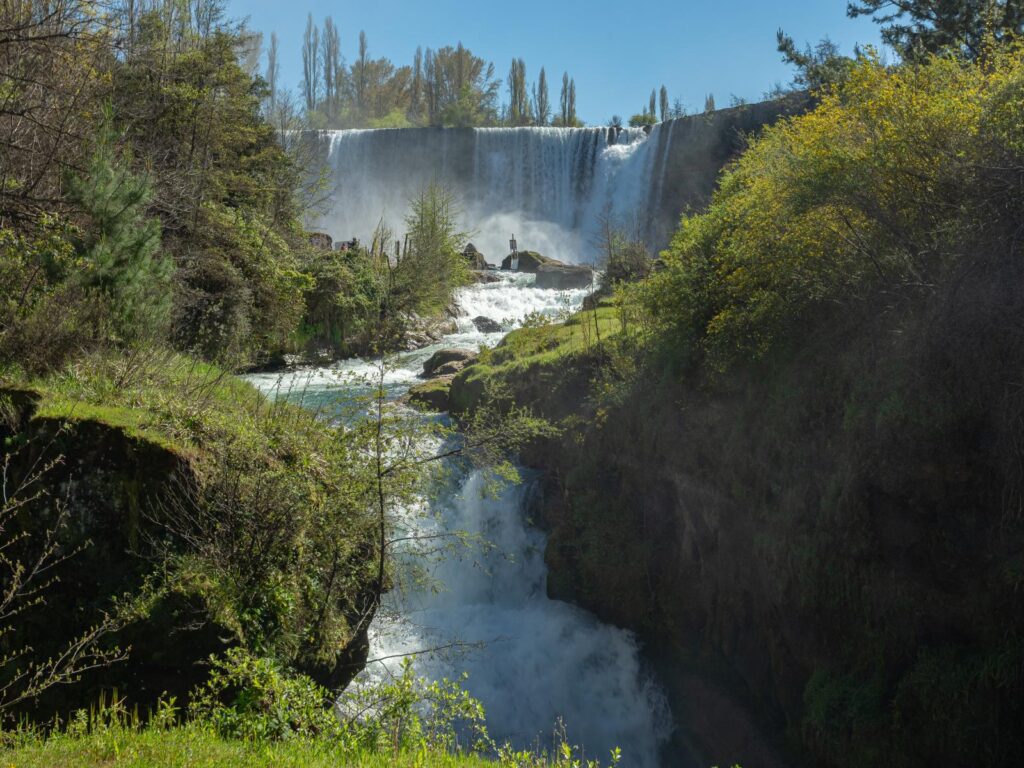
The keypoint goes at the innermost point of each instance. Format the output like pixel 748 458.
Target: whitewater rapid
pixel 550 187
pixel 540 662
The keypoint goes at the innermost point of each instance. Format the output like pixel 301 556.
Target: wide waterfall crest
pixel 548 186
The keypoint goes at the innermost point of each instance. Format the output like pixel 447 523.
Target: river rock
pixel 424 331
pixel 528 261
pixel 485 277
pixel 564 277
pixel 475 258
pixel 486 325
pixel 442 357
pixel 449 369
pixel 431 395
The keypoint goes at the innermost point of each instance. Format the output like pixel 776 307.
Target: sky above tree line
pixel 616 51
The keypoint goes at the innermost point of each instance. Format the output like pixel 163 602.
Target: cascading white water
pixel 548 186
pixel 543 661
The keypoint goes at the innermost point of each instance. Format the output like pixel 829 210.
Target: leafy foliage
pixel 881 188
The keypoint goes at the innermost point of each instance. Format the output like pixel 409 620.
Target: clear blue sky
pixel 617 51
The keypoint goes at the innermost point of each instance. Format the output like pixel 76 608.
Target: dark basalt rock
pixel 442 357
pixel 564 276
pixel 528 261
pixel 486 325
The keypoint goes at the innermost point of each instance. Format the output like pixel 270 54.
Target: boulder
pixel 445 356
pixel 564 277
pixel 449 369
pixel 424 331
pixel 486 325
pixel 485 277
pixel 528 261
pixel 431 395
pixel 474 257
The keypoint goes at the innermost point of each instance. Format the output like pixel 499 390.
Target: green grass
pixel 526 347
pixel 193 747
pixel 535 354
pixel 168 399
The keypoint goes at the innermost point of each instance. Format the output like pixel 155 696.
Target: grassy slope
pixel 196 748
pixel 529 359
pixel 169 399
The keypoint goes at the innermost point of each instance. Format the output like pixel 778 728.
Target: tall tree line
pixel 448 86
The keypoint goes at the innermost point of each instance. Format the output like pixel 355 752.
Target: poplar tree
pixel 652 109
pixel 563 101
pixel 273 73
pixel 311 64
pixel 709 103
pixel 542 102
pixel 572 102
pixel 416 89
pixel 333 71
pixel 518 100
pixel 664 103
pixel 359 74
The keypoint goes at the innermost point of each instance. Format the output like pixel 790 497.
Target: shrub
pixel 876 196
pixel 252 698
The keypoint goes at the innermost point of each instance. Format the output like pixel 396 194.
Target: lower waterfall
pixel 541 662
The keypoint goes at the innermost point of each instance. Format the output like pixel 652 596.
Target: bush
pixel 255 699
pixel 43 318
pixel 876 196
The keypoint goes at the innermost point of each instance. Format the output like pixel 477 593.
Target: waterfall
pixel 541 661
pixel 548 186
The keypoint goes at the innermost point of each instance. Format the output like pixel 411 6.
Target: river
pixel 533 662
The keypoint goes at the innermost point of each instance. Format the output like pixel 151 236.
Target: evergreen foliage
pixel 917 28
pixel 120 251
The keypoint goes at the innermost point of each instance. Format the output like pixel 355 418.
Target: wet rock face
pixel 564 277
pixel 451 360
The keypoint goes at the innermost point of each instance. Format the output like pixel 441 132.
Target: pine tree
pixel 918 27
pixel 123 268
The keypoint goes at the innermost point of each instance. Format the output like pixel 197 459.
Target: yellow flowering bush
pixel 876 193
